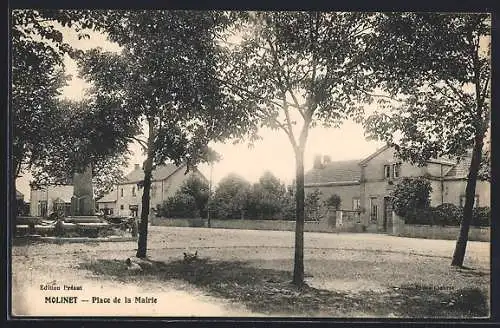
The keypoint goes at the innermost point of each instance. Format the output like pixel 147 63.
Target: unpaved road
pixel 345 262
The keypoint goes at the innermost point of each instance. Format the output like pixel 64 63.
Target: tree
pixel 298 70
pixel 197 188
pixel 230 199
pixel 165 79
pixel 267 197
pixel 439 66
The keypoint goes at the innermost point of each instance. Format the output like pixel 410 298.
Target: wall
pixel 456 188
pixel 49 194
pixel 280 225
pixel 437 232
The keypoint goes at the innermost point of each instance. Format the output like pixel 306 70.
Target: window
pixel 133 192
pixel 356 203
pixel 121 192
pixel 462 201
pixel 373 209
pixel 396 170
pixel 387 171
pixel 121 207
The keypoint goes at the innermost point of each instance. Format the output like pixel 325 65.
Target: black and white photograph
pixel 255 164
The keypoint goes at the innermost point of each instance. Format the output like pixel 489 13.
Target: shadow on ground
pixel 269 291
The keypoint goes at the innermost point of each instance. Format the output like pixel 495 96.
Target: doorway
pixel 387 213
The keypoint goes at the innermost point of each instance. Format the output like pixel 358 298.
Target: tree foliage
pixel 197 188
pixel 38 49
pixel 267 198
pixel 230 200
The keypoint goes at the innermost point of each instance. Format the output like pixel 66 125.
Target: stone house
pixel 366 184
pixel 51 198
pixel 126 197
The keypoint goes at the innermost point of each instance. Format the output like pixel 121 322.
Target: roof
pixel 378 151
pixel 160 173
pixel 340 171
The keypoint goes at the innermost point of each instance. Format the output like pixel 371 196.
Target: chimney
pixel 137 167
pixel 317 162
pixel 327 159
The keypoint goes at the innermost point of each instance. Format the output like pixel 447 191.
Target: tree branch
pixel 286 83
pixel 251 93
pixel 289 133
pixel 456 92
pixel 141 142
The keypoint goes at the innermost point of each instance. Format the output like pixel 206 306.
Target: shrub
pixel 312 206
pixel 333 201
pixel 448 215
pixel 481 217
pixel 411 195
pixel 424 216
pixel 180 206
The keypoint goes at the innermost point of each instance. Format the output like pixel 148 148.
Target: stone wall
pixel 401 229
pixel 326 225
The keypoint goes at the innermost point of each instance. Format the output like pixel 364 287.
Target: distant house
pixel 51 198
pixel 366 184
pixel 126 197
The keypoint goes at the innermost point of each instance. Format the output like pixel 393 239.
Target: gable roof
pixel 378 151
pixel 339 171
pixel 160 173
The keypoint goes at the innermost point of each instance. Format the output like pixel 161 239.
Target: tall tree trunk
pixel 470 195
pixel 298 268
pixel 142 243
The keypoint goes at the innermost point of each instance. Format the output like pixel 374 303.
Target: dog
pixel 132 266
pixel 188 258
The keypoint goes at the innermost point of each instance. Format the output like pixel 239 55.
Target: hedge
pixel 448 215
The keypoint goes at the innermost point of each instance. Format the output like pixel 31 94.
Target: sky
pixel 273 153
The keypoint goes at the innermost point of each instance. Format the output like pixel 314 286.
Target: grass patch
pixel 269 291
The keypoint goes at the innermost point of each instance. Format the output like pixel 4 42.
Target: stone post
pixel 398 224
pixel 338 221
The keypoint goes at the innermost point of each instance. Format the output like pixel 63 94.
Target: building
pixel 125 198
pixel 51 198
pixel 366 184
